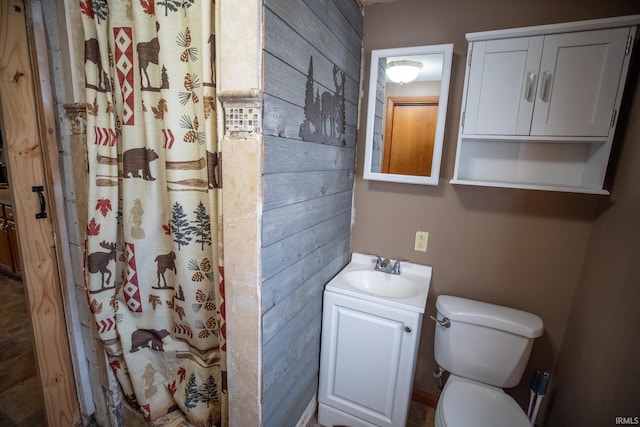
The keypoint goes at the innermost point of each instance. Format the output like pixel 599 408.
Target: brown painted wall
pixel 523 249
pixel 598 370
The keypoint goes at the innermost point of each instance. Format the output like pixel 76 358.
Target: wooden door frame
pixel 388 127
pixel 32 149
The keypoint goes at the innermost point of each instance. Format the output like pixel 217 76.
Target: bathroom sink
pixel 406 290
pixel 382 284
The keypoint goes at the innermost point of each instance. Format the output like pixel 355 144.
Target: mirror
pixel 408 93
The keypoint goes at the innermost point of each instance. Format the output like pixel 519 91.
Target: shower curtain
pixel 153 270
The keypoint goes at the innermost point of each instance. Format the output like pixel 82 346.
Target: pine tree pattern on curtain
pixel 153 269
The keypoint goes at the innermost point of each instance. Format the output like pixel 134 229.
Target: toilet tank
pixel 485 342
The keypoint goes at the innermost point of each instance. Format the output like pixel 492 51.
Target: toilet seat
pixel 466 403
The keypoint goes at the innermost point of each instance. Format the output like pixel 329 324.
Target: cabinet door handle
pixel 531 80
pixel 43 204
pixel 407 329
pixel 546 81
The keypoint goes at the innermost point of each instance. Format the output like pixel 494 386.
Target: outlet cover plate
pixel 420 244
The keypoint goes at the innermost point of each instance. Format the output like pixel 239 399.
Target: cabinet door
pixel 502 86
pixel 367 359
pixel 15 248
pixel 579 77
pixel 6 260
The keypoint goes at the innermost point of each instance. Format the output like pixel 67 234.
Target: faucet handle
pixel 381 264
pixel 378 259
pixel 396 266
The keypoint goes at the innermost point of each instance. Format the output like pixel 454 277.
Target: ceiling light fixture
pixel 403 71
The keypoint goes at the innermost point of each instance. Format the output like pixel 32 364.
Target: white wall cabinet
pixel 541 103
pixel 369 352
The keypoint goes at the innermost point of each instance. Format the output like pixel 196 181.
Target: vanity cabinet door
pixel 578 83
pixel 367 361
pixel 502 86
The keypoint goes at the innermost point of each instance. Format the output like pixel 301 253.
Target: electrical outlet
pixel 422 238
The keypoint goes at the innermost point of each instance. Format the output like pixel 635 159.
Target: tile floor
pixel 420 415
pixel 20 390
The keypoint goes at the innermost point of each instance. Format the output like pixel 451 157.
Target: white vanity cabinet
pixel 540 105
pixel 368 358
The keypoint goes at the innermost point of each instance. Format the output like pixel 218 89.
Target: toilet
pixel 485 348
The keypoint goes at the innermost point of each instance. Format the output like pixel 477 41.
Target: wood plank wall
pixel 308 190
pixel 376 156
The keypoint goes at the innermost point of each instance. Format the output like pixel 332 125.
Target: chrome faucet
pixel 385 266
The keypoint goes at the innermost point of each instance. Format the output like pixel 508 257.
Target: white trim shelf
pixel 538 30
pixel 537 139
pixel 525 186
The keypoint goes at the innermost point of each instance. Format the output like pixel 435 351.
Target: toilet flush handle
pixel 444 322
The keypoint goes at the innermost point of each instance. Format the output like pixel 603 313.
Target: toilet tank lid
pixel 490 315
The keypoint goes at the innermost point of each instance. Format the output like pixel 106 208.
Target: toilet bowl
pixel 470 403
pixel 485 347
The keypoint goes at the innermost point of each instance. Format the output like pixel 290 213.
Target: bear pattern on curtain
pixel 153 254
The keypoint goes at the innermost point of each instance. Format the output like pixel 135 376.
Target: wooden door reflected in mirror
pixel 410 134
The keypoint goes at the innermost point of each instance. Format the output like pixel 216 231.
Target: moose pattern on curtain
pixel 153 270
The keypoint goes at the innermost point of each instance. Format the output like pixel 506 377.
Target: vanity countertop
pixel 407 290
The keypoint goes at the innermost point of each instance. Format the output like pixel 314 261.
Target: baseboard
pixel 428 399
pixel 309 413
